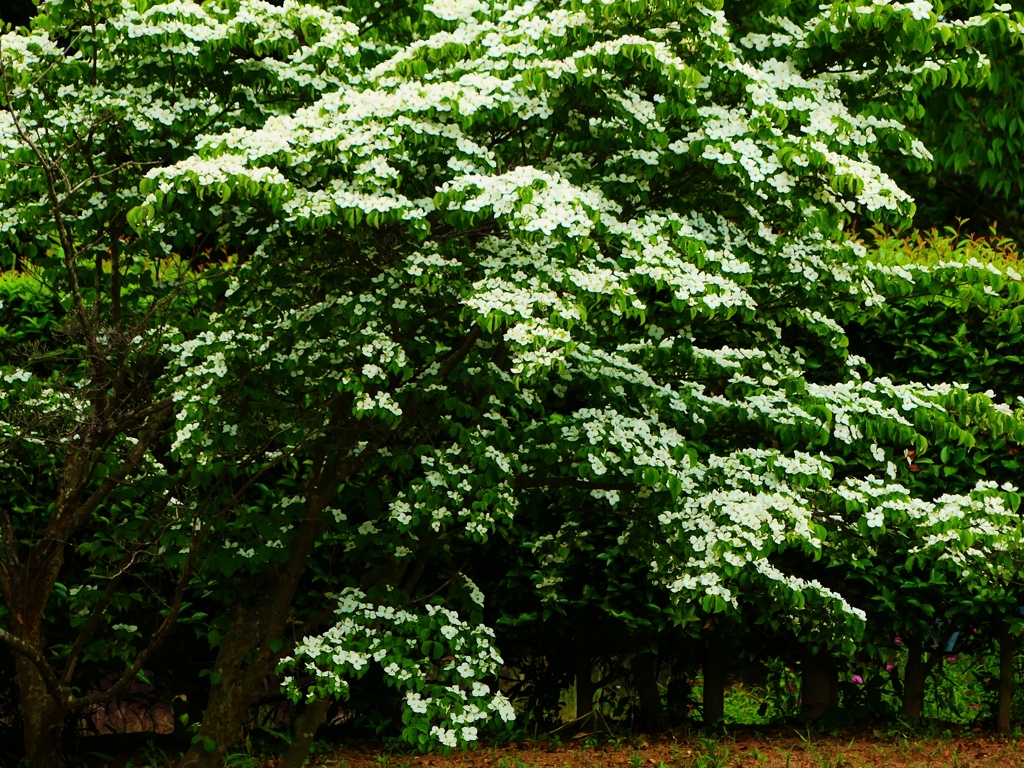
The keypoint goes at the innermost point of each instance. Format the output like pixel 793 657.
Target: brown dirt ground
pixel 752 750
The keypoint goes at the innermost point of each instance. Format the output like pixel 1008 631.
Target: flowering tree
pixel 494 270
pixel 591 333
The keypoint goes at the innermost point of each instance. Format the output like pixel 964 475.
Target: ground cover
pixel 760 748
pixel 783 748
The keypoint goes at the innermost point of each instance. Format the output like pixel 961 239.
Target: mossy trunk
pixel 43 720
pixel 43 716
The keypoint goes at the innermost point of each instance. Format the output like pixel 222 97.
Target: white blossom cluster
pixel 439 661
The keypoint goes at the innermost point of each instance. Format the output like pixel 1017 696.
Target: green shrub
pixel 953 312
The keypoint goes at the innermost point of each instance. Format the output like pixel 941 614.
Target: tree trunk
pixel 304 731
pixel 237 688
pixel 586 690
pixel 646 677
pixel 42 715
pixel 819 686
pixel 677 697
pixel 222 724
pixel 247 656
pixel 43 718
pixel 1005 679
pixel 914 678
pixel 714 682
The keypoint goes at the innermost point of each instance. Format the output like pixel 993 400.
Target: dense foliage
pixel 340 336
pixel 975 133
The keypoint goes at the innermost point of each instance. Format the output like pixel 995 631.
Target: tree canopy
pixel 350 297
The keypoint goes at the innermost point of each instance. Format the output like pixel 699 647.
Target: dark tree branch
pixel 33 654
pixel 524 482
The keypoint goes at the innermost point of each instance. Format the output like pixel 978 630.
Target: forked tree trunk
pixel 915 677
pixel 714 682
pixel 1006 648
pixel 819 686
pixel 645 673
pixel 28 577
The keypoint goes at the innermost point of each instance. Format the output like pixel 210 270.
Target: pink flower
pixel 888 667
pixel 857 679
pixel 951 659
pixel 898 641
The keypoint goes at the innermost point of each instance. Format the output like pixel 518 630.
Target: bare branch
pixel 148 437
pixel 10 539
pixel 100 610
pixel 524 482
pixel 66 241
pixel 157 639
